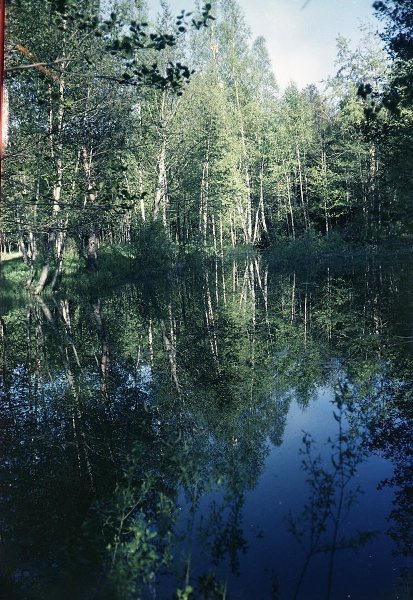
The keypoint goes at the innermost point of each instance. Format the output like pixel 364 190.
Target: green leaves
pixel 176 75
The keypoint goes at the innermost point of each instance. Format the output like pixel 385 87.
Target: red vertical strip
pixel 2 44
pixel 2 113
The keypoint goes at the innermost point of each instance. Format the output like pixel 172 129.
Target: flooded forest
pixel 206 309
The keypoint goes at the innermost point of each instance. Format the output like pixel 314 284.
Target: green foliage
pixel 184 594
pixel 151 247
pixel 397 16
pixel 308 249
pixel 14 271
pixel 172 77
pixel 119 160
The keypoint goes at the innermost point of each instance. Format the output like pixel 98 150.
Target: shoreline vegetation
pixel 205 310
pixel 120 265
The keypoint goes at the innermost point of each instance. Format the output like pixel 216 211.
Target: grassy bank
pixel 153 257
pixel 311 250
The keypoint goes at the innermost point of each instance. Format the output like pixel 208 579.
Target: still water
pixel 230 432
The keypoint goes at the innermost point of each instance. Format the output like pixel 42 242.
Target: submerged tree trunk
pixel 79 431
pixel 3 350
pixel 104 362
pixel 169 342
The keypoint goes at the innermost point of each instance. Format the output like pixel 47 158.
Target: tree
pixel 78 119
pixel 398 36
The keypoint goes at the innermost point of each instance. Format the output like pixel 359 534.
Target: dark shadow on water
pixel 140 421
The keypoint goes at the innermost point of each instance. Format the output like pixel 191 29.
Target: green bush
pixel 151 247
pixel 309 248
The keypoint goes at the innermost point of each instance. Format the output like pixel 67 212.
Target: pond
pixel 233 431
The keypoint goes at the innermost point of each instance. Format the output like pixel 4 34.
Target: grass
pixel 7 256
pixel 13 269
pixel 13 277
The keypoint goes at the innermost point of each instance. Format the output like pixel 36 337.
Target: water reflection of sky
pixel 216 408
pixel 274 557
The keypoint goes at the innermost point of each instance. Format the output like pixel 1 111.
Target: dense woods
pixel 216 403
pixel 174 134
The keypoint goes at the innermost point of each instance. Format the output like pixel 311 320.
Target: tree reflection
pixel 136 421
pixel 319 527
pixel 387 417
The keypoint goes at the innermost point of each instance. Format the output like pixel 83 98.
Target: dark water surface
pixel 225 433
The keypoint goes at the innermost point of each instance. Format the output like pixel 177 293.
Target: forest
pixel 142 140
pixel 206 335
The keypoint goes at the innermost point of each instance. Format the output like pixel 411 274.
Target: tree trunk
pixel 300 178
pixel 248 209
pixel 290 206
pixel 93 237
pixel 56 239
pixel 326 211
pixel 204 199
pixel 161 187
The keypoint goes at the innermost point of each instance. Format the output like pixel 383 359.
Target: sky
pixel 301 37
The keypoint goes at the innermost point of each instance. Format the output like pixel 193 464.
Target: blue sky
pixel 301 42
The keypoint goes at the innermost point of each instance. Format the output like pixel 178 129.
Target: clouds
pixel 292 52
pixel 300 41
